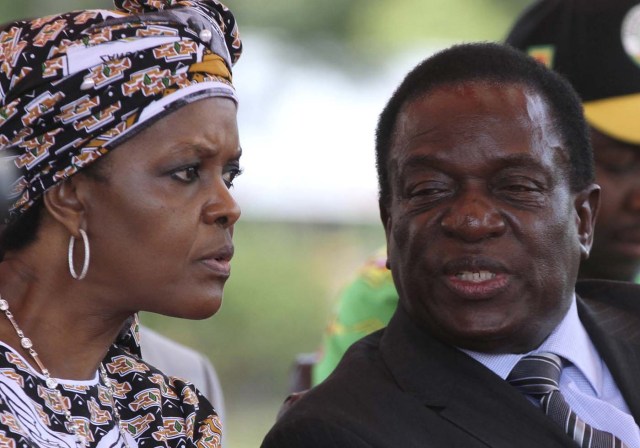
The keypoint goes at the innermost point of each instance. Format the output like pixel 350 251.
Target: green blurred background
pixel 288 269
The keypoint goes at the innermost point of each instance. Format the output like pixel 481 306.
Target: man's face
pixel 484 234
pixel 616 248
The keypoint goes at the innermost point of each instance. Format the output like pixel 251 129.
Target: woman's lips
pixel 220 267
pixel 477 284
pixel 219 261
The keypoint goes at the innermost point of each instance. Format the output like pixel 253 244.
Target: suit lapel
pixel 610 311
pixel 463 391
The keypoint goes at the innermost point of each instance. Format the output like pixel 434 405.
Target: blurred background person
pixel 175 359
pixel 365 305
pixel 595 44
pixel 119 146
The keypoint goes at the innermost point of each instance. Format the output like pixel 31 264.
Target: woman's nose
pixel 222 209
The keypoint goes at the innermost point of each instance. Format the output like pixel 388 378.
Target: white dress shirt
pixel 586 382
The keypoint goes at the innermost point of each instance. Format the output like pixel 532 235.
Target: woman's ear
pixel 587 204
pixel 65 206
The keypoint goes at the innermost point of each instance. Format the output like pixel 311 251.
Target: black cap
pixel 596 45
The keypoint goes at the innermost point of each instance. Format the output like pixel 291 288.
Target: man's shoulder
pixel 363 366
pixel 309 432
pixel 357 381
pixel 353 407
pixel 360 369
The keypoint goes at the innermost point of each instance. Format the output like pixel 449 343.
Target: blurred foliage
pixel 371 28
pixel 276 304
pixel 410 21
pixel 335 30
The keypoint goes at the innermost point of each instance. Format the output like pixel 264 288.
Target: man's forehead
pixel 436 113
pixel 521 134
pixel 483 97
pixel 478 90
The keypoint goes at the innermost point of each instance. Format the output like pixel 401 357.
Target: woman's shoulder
pixel 149 398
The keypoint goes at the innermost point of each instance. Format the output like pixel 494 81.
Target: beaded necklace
pixel 52 383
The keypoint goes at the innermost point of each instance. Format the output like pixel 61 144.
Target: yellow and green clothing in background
pixel 364 306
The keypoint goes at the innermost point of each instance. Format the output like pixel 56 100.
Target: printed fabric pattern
pixel 100 76
pixel 157 411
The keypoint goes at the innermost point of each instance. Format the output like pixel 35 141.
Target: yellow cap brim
pixel 617 117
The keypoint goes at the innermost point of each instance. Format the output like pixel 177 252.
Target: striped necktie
pixel 538 375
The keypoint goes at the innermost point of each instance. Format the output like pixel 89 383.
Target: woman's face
pixel 160 223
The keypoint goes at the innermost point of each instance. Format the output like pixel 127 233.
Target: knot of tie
pixel 537 374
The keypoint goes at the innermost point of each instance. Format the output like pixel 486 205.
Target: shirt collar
pixel 568 340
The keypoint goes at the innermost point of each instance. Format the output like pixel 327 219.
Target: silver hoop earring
pixel 85 263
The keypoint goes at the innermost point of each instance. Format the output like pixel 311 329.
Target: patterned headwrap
pixel 76 85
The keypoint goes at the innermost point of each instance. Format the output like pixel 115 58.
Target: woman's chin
pixel 205 309
pixel 193 309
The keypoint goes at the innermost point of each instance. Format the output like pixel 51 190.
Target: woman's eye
pixel 187 174
pixel 230 176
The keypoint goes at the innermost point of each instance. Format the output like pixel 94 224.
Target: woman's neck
pixel 70 334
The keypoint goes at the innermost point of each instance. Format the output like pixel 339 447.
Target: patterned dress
pixel 155 410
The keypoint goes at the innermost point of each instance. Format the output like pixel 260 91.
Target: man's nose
pixel 473 217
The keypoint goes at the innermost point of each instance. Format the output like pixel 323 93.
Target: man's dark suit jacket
pixel 401 388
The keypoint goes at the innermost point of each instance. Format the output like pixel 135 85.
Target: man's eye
pixel 427 192
pixel 230 176
pixel 428 189
pixel 518 185
pixel 521 188
pixel 428 195
pixel 187 174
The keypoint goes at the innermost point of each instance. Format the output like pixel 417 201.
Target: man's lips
pixel 476 278
pixel 473 264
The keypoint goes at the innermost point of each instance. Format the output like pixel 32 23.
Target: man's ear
pixel 64 205
pixel 385 217
pixel 587 204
